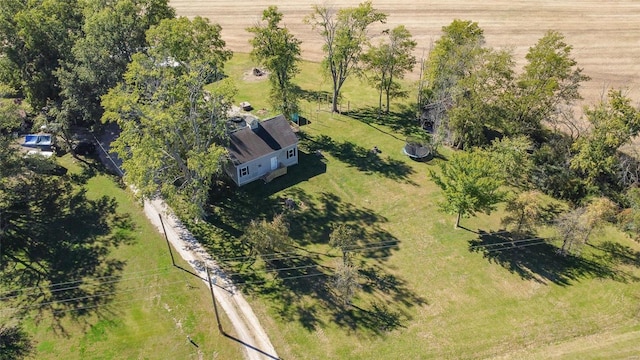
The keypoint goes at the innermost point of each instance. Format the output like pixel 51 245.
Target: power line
pixel 84 280
pixel 131 276
pixel 70 300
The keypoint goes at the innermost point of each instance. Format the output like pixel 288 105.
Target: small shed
pixel 262 150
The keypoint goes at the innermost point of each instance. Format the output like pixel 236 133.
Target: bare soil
pixel 605 35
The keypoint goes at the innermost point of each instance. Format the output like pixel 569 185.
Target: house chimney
pixel 254 124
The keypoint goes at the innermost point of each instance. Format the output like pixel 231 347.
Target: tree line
pixel 521 138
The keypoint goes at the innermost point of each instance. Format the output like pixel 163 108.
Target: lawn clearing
pixel 427 290
pixel 154 306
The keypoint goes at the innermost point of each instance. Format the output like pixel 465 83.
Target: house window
pixel 244 171
pixel 291 153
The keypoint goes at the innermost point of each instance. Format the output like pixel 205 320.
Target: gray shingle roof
pixel 271 135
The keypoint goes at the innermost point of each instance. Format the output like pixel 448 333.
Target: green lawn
pixel 429 291
pixel 152 310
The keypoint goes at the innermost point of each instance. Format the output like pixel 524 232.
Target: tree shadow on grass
pixel 313 96
pixel 56 251
pixel 364 160
pixel 298 281
pixel 617 254
pixel 540 261
pixel 402 121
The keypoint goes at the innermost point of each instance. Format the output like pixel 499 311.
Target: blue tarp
pixel 38 140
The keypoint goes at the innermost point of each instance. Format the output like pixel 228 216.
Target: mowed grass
pixel 154 308
pixel 430 291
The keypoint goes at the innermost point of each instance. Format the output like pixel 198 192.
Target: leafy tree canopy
pixel 173 131
pixel 279 52
pixel 389 61
pixel 614 123
pixel 345 34
pixel 469 184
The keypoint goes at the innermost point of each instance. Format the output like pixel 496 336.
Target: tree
pixel 389 61
pixel 469 183
pixel 575 227
pixel 345 282
pixel 464 81
pixel 629 218
pixel 50 230
pixel 549 83
pixel 173 132
pixel 112 32
pixel 268 237
pixel 614 123
pixel 525 212
pixel 477 99
pixel 345 34
pixel 511 155
pixel 35 37
pixel 279 52
pixel 571 230
pixel 344 238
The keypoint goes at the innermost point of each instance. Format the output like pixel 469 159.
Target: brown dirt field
pixel 605 35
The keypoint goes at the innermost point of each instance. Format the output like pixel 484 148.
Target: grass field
pixel 149 314
pixel 430 291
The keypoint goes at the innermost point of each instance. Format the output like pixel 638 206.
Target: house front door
pixel 274 163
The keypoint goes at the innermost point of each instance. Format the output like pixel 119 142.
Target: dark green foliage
pixel 173 131
pixel 112 33
pixel 546 89
pixel 552 174
pixel 279 52
pixel 614 123
pixel 36 37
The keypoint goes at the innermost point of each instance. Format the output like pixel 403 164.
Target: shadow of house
pixel 364 160
pixel 262 150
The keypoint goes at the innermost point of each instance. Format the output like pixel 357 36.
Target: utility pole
pixel 213 297
pixel 173 261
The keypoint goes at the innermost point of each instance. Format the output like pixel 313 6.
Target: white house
pixel 262 150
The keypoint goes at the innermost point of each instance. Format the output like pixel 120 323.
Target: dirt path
pixel 247 328
pixel 250 333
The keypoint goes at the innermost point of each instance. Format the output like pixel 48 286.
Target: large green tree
pixel 345 34
pixel 469 184
pixel 478 99
pixel 547 88
pixel 279 52
pixel 614 123
pixel 35 37
pixel 389 61
pixel 112 32
pixel 173 131
pixel 454 57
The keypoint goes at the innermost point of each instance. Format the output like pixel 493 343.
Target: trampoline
pixel 417 149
